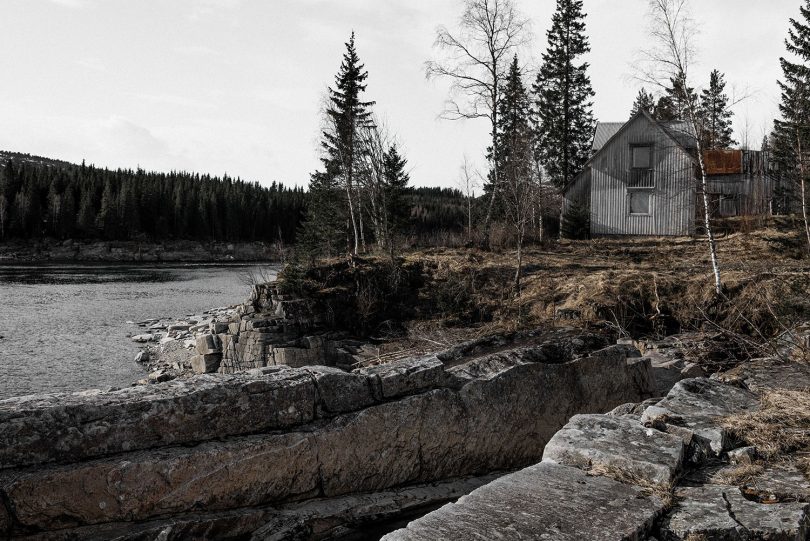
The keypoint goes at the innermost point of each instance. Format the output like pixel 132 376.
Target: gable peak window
pixel 641 166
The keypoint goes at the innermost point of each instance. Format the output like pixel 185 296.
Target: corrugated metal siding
pixel 672 202
pixel 578 193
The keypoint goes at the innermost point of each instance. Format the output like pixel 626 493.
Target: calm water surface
pixel 64 328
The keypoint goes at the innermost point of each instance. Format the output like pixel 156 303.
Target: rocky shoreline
pixel 72 251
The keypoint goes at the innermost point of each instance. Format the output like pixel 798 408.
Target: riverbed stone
pixel 618 447
pixel 700 404
pixel 75 426
pixel 721 512
pixel 545 501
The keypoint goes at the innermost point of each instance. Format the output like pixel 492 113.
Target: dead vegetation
pixel 639 287
pixel 781 426
pixel 738 475
pixel 664 492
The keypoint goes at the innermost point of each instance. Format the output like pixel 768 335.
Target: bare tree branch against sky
pixel 234 85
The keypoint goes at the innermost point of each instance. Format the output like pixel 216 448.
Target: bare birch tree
pixel 668 61
pixel 475 61
pixel 468 181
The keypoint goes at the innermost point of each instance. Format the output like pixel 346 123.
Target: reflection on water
pixel 64 328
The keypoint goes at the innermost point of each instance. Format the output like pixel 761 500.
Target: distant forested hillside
pixel 47 198
pixel 42 197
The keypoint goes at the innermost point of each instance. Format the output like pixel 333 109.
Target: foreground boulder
pixel 545 501
pixel 721 512
pixel 700 405
pixel 617 447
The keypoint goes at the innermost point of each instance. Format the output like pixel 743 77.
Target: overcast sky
pixel 234 86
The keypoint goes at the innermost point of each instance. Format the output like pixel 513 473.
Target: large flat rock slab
pixel 721 512
pixel 545 501
pixel 700 404
pixel 618 447
pixel 68 427
pixel 767 374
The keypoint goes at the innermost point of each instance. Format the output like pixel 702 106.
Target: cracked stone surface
pixel 700 404
pixel 722 513
pixel 762 375
pixel 545 501
pixel 618 446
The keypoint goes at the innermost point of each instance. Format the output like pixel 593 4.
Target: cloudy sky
pixel 235 85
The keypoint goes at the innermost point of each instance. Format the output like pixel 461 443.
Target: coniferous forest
pixel 41 197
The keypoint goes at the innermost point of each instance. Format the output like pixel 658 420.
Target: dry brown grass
pixel 665 493
pixel 779 427
pixel 738 475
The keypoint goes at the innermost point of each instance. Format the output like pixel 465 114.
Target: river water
pixel 64 327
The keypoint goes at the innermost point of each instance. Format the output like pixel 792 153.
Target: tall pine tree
pixel 563 94
pixel 791 136
pixel 516 143
pixel 715 116
pixel 347 113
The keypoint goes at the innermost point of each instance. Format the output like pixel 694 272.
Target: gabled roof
pixel 679 131
pixel 604 132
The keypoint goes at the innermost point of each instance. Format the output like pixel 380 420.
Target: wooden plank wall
pixel 672 204
pixel 752 188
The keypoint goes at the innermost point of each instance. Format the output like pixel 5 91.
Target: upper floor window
pixel 641 166
pixel 641 156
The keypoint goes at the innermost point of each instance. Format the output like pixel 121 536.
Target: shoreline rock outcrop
pixel 608 477
pixel 279 435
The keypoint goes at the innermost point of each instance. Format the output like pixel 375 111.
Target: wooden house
pixel 642 179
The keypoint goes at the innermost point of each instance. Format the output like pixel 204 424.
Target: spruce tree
pixel 680 97
pixel 715 116
pixel 323 232
pixel 396 209
pixel 665 110
pixel 644 101
pixel 513 130
pixel 347 113
pixel 791 135
pixel 563 94
pixel 515 147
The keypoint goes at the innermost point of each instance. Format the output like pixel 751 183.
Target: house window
pixel 641 156
pixel 639 201
pixel 641 170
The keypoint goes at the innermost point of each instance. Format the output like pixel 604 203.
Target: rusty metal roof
pixel 604 131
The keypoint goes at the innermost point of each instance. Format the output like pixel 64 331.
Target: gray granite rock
pixel 206 364
pixel 722 513
pixel 761 375
pixel 139 486
pixel 742 455
pixel 618 447
pixel 781 482
pixel 405 377
pixel 545 501
pixel 208 343
pixel 700 404
pixel 75 426
pixel 340 391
